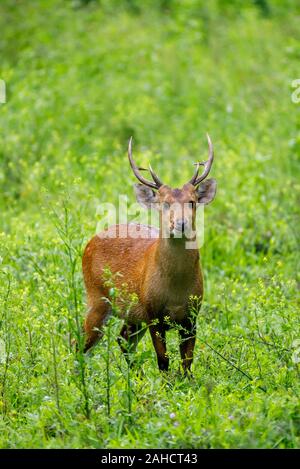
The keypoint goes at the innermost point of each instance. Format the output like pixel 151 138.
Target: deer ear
pixel 206 191
pixel 144 195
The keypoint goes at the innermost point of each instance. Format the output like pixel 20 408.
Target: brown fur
pixel 160 271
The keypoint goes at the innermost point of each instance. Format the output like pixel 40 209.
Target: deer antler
pixel 207 165
pixel 154 185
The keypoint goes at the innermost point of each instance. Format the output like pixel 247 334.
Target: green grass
pixel 81 78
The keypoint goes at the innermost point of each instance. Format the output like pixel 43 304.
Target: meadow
pixel 81 78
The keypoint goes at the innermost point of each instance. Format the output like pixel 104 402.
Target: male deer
pixel 156 267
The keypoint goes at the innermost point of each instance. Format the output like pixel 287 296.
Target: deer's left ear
pixel 145 196
pixel 206 191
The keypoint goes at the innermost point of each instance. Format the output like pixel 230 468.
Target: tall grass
pixel 82 77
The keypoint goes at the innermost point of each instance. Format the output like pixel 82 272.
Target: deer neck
pixel 174 260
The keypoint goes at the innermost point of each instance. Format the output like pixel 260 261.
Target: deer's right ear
pixel 206 191
pixel 145 196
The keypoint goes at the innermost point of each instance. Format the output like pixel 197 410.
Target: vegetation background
pixel 82 76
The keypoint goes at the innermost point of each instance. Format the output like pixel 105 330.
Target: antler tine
pixel 207 165
pixel 155 178
pixel 135 169
pixel 195 175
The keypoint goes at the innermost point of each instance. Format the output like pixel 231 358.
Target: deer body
pixel 159 269
pixel 172 277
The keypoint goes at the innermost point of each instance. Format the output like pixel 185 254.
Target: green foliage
pixel 81 78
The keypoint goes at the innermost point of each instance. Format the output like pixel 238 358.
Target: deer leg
pixel 158 335
pixel 129 338
pixel 93 324
pixel 187 343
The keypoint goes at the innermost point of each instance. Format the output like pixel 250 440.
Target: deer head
pixel 177 206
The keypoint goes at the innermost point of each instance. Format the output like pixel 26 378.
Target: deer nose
pixel 181 224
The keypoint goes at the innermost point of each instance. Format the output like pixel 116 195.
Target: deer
pixel 156 266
